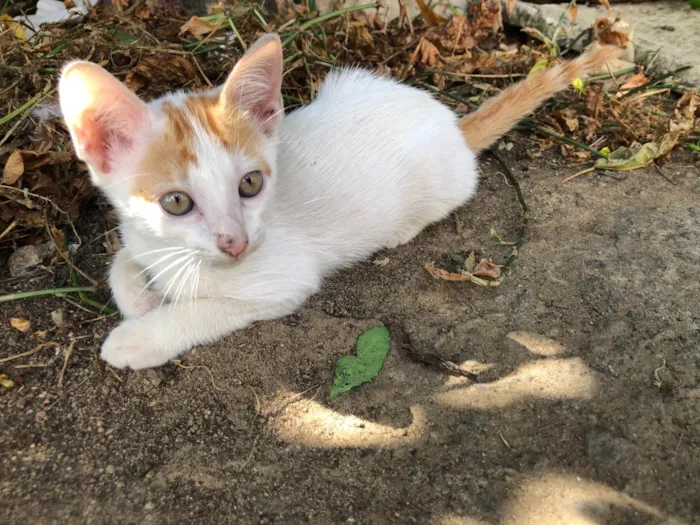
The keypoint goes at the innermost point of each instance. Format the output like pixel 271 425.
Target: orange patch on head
pixel 171 154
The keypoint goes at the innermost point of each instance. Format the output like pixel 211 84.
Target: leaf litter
pixel 635 111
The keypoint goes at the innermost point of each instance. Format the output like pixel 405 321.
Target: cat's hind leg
pixel 129 286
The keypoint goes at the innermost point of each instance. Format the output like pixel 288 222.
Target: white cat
pixel 231 214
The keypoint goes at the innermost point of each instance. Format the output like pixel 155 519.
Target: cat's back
pixel 368 158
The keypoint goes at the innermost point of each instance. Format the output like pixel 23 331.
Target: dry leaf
pixel 510 7
pixel 573 13
pixel 431 17
pixel 637 156
pixel 487 268
pixel 606 32
pixel 439 273
pixel 359 36
pixel 198 26
pixel 6 382
pixel 7 22
pixel 637 80
pixel 429 54
pixel 14 168
pixel 21 324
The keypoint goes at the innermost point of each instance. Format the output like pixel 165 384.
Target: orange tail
pixel 498 115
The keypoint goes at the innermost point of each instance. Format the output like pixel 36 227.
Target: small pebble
pixel 58 318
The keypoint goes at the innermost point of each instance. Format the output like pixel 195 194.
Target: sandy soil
pixel 566 423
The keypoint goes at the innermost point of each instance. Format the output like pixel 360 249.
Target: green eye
pixel 177 203
pixel 251 184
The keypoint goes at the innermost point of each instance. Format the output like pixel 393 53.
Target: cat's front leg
pixel 161 335
pixel 127 281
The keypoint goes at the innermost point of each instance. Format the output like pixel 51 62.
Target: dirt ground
pixel 569 422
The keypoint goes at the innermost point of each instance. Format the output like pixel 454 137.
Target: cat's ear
pixel 255 84
pixel 104 117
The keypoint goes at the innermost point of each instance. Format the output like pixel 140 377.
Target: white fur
pixel 367 165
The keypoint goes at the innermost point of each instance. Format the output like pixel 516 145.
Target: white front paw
pixel 136 345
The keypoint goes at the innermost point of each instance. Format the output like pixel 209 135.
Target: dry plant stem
pixel 561 22
pixel 46 200
pixel 333 14
pixel 577 174
pixel 30 352
pixel 179 364
pixel 524 229
pixel 655 81
pixel 48 90
pixel 238 35
pixel 48 291
pixel 7 230
pixel 548 131
pixel 467 76
pixel 66 357
pixel 612 74
pixel 427 358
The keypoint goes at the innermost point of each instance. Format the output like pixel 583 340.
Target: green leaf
pixel 352 371
pixel 637 157
pixel 540 66
pixel 127 38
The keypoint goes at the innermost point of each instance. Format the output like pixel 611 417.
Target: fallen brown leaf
pixel 431 17
pixel 429 54
pixel 14 168
pixel 439 273
pixel 21 324
pixel 637 80
pixel 487 268
pixel 573 13
pixel 606 32
pixel 198 27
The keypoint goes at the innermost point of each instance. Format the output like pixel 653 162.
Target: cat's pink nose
pixel 231 245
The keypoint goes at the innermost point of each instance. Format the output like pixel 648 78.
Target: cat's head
pixel 192 170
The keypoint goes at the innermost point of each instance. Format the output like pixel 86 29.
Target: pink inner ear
pixel 255 84
pixel 102 115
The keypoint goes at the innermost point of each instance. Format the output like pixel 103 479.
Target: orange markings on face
pixel 172 153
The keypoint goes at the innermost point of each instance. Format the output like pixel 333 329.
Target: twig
pixel 30 352
pixel 66 357
pixel 524 229
pixel 500 434
pixel 47 291
pixel 7 230
pixel 178 363
pixel 467 76
pixel 657 380
pixel 430 359
pixel 578 174
pixel 549 131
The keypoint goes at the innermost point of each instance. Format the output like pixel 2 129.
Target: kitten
pixel 231 214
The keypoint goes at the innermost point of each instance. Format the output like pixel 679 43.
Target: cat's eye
pixel 177 203
pixel 251 184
